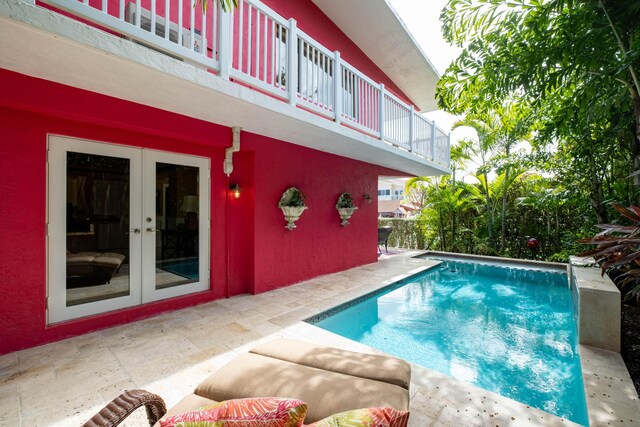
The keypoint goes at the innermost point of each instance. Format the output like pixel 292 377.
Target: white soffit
pixel 377 29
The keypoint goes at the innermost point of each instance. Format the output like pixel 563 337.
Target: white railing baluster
pixel 381 115
pixel 368 123
pixel 315 76
pixel 303 52
pixel 138 14
pixel 266 48
pixel 167 18
pixel 276 42
pixel 180 22
pixel 433 140
pixel 215 23
pixel 411 130
pixel 192 25
pixel 347 112
pixel 122 10
pixel 249 37
pixel 240 34
pixel 225 43
pixel 293 62
pixel 152 27
pixel 203 31
pixel 356 97
pixel 104 6
pixel 325 81
pixel 257 45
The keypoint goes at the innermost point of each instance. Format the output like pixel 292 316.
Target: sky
pixel 422 18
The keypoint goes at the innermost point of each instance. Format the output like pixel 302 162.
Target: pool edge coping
pixel 380 288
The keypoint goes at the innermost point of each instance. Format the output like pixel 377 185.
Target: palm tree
pixel 481 150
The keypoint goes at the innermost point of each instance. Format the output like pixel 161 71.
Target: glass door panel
pixel 94 238
pixel 176 225
pixel 177 213
pixel 97 222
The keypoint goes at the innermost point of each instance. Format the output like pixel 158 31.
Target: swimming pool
pixel 189 268
pixel 504 329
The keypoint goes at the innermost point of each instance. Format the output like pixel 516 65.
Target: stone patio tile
pixel 34 377
pixel 9 410
pixel 294 316
pixel 65 383
pixel 419 419
pixel 8 365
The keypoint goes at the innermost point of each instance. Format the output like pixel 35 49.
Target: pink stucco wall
pixel 251 251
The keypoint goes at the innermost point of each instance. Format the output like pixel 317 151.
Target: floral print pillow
pixel 255 412
pixel 366 417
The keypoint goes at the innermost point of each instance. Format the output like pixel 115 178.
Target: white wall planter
pixel 292 214
pixel 345 214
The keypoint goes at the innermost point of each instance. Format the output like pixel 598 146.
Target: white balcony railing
pixel 256 46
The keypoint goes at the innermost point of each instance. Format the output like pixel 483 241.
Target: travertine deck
pixel 64 383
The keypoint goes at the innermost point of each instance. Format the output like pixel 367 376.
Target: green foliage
pixel 292 197
pixel 570 65
pixel 227 5
pixel 618 247
pixel 407 233
pixel 345 201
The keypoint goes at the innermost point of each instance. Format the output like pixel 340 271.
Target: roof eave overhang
pixel 379 32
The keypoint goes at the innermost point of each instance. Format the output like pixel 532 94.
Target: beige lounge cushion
pixel 327 393
pixel 109 259
pixel 189 403
pixel 80 259
pixel 375 367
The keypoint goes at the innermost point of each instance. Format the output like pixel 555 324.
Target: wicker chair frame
pixel 122 406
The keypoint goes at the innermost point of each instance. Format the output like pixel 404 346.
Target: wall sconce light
pixel 367 198
pixel 235 190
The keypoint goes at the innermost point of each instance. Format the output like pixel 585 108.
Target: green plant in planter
pixel 292 197
pixel 345 208
pixel 344 201
pixel 292 204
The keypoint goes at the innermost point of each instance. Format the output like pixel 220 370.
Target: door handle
pixel 151 230
pixel 135 230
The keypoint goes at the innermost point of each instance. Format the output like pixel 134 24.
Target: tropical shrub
pixel 407 233
pixel 618 252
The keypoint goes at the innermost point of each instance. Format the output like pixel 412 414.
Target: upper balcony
pixel 248 63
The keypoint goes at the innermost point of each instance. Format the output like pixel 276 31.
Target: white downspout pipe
pixel 228 152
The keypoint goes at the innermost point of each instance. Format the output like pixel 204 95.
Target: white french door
pixel 126 226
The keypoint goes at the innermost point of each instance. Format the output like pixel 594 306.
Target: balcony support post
pixel 225 48
pixel 337 87
pixel 292 81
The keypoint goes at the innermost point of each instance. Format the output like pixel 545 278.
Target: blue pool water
pixel 187 268
pixel 507 330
